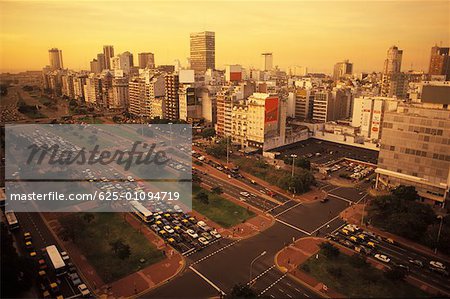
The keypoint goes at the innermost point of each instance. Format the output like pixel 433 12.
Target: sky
pixel 316 34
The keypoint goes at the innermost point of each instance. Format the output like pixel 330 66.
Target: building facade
pixel 203 51
pixel 55 59
pixel 415 150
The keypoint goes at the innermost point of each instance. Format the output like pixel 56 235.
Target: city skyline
pixel 358 36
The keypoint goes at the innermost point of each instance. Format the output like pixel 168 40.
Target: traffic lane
pixel 254 199
pixel 187 285
pixel 281 208
pixel 348 193
pixel 311 216
pixel 423 274
pixel 289 288
pixel 236 259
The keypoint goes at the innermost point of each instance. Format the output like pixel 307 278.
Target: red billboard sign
pixel 271 110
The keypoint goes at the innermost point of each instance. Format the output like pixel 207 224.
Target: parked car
pixel 438 265
pixel 169 229
pixel 215 234
pixel 192 233
pixel 84 290
pixel 382 257
pixel 203 241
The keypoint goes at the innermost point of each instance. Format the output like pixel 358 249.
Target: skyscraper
pixel 394 82
pixel 146 60
pixel 108 51
pixel 341 69
pixel 55 59
pixel 440 62
pixel 393 61
pixel 203 51
pixel 268 61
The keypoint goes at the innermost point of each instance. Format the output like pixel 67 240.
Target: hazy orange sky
pixel 316 34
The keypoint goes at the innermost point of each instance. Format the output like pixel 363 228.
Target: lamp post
pixel 439 232
pixel 293 156
pixel 170 127
pixel 251 264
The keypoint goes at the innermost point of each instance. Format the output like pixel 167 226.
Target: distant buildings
pixel 268 61
pixel 146 60
pixel 415 151
pixel 331 105
pixel 122 62
pixel 55 59
pixel 440 62
pixel 108 52
pixel 171 99
pixel 203 51
pixel 342 69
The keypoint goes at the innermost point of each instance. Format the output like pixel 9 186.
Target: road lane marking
pixel 215 252
pixel 288 209
pixel 274 283
pixel 341 198
pixel 326 223
pixel 294 227
pixel 260 275
pixel 207 280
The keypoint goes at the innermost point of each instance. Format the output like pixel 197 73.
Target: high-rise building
pixel 101 61
pixel 393 61
pixel 108 51
pixel 122 62
pixel 171 98
pixel 146 60
pixel 233 73
pixel 203 51
pixel 304 99
pixel 120 94
pixel 440 62
pixel 268 61
pixel 95 67
pixel 394 83
pixel 342 69
pixel 415 151
pixel 55 59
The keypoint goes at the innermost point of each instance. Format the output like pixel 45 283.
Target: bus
pixel 141 211
pixel 11 218
pixel 56 260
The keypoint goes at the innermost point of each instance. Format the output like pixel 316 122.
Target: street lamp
pixel 439 233
pixel 251 264
pixel 293 156
pixel 170 127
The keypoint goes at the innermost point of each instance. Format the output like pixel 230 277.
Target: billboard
pixel 186 76
pixel 235 76
pixel 271 110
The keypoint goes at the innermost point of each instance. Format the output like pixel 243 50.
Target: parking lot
pixel 324 152
pixel 351 170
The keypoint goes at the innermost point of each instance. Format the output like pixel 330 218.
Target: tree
pixel 405 192
pixel 203 197
pixel 329 250
pixel 358 261
pixel 242 291
pixel 208 132
pixel 88 217
pixel 217 190
pixel 121 249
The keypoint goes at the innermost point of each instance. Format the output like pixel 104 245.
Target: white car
pixel 84 290
pixel 130 178
pixel 169 229
pixel 382 257
pixel 201 223
pixel 215 234
pixel 192 233
pixel 243 193
pixel 203 241
pixel 64 255
pixel 438 265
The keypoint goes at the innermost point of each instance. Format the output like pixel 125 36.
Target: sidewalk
pixel 353 215
pixel 289 258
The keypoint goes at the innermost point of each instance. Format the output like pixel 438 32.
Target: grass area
pixel 220 210
pixel 91 120
pixel 363 281
pixel 34 114
pixel 94 235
